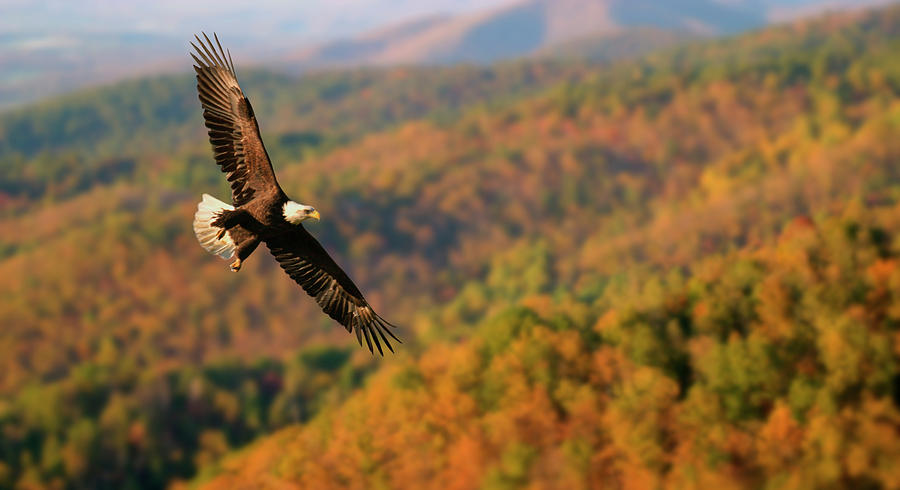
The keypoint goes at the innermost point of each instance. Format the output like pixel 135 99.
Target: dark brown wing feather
pixel 233 130
pixel 307 262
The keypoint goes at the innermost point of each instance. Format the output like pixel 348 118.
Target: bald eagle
pixel 260 210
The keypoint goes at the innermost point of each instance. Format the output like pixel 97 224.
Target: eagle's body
pixel 261 212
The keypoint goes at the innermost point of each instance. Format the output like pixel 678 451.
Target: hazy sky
pixel 240 21
pixel 258 19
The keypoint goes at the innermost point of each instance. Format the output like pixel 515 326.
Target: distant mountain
pixel 49 49
pixel 522 28
pixel 37 66
pixel 526 27
pixel 44 53
pixel 785 10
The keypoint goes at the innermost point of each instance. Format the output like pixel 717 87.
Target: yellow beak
pixel 315 214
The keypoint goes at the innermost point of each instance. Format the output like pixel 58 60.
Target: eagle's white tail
pixel 207 210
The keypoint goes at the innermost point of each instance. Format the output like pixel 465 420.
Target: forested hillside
pixel 677 270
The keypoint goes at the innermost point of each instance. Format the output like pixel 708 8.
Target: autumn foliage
pixel 681 270
pixel 800 389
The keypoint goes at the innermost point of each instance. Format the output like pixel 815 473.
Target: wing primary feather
pixel 213 48
pixel 381 331
pixel 209 63
pixel 205 63
pixel 224 58
pixel 388 344
pixel 377 344
pixel 387 324
pixel 345 311
pixel 197 67
pixel 208 46
pixel 208 52
pixel 231 61
pixel 368 340
pixel 358 333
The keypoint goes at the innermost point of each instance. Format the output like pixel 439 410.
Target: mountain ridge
pixel 519 29
pixel 40 64
pixel 525 27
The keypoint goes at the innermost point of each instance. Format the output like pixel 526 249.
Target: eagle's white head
pixel 295 213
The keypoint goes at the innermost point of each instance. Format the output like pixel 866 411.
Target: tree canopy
pixel 676 270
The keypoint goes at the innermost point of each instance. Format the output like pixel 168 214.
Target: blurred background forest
pixel 660 252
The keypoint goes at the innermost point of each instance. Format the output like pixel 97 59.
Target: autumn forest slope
pixel 680 269
pixel 696 285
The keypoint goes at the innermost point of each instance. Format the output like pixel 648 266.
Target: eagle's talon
pixel 221 234
pixel 236 265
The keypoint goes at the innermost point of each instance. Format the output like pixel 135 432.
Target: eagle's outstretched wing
pixel 307 262
pixel 233 130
